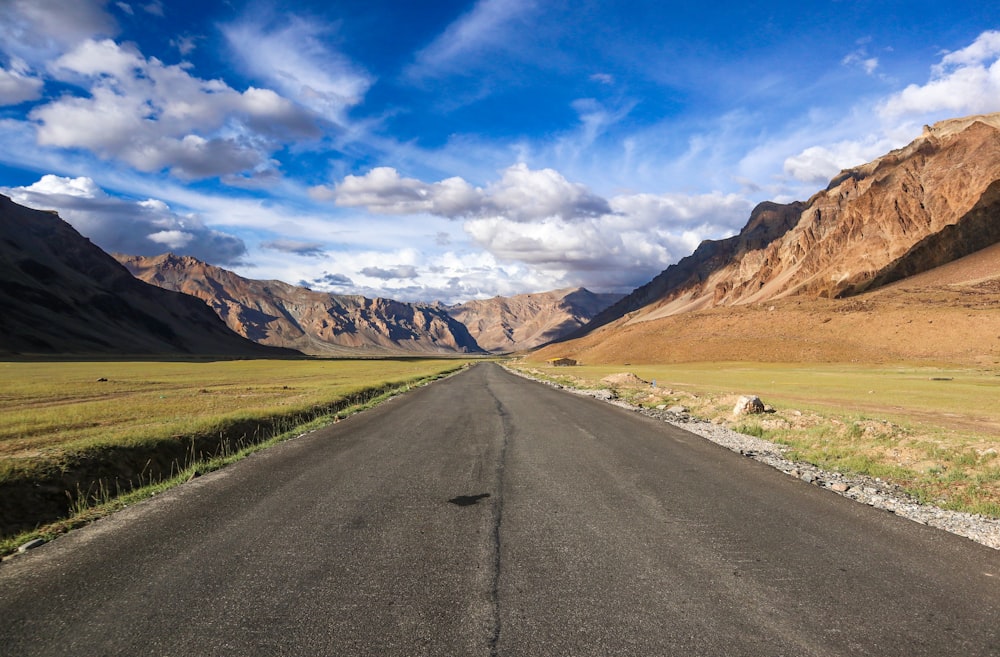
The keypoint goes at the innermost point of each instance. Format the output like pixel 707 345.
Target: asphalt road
pixel 490 515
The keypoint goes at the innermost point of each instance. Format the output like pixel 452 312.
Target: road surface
pixel 490 515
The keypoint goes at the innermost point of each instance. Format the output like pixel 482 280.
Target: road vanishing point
pixel 487 514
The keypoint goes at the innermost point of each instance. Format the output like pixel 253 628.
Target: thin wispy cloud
pixel 484 29
pixel 291 55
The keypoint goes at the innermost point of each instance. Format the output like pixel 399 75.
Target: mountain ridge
pixel 61 294
pixel 905 212
pixel 855 249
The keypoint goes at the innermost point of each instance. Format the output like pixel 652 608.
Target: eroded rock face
pixel 318 323
pixel 911 210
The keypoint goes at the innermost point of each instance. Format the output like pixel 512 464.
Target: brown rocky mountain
pixel 508 324
pixel 318 323
pixel 916 208
pixel 61 294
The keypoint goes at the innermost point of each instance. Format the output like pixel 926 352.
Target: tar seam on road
pixel 497 525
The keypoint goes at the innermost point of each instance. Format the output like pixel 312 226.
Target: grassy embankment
pixel 935 431
pixel 80 435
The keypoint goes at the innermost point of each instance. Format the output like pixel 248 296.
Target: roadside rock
pixel 748 405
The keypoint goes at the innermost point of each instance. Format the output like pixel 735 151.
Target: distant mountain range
pixel 909 212
pixel 319 323
pixel 61 294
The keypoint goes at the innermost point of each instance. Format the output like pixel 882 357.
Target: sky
pixel 453 150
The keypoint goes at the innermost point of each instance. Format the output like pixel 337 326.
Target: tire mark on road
pixel 498 500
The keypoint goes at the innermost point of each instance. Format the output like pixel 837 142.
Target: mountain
pixel 853 249
pixel 508 324
pixel 318 323
pixel 909 211
pixel 61 294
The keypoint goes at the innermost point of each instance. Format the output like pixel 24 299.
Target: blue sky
pixel 456 150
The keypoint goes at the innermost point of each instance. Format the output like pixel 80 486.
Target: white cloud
pixel 382 190
pixel 483 29
pixel 146 227
pixel 38 30
pixel 818 164
pixel 17 85
pixel 521 194
pixel 154 116
pixel 642 235
pixel 966 81
pixel 558 229
pixel 294 60
pixel 174 240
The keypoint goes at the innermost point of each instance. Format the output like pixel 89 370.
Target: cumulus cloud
pixel 966 81
pixel 539 219
pixel 818 164
pixel 521 194
pixel 148 227
pixel 294 59
pixel 154 116
pixel 641 236
pixel 384 191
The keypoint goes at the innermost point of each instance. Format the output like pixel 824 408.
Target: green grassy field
pixel 935 431
pixel 97 429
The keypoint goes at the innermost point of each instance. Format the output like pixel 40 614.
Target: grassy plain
pixel 47 407
pixel 91 425
pixel 935 431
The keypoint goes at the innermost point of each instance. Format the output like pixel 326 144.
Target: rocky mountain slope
pixel 950 314
pixel 508 324
pixel 909 211
pixel 785 287
pixel 318 323
pixel 61 294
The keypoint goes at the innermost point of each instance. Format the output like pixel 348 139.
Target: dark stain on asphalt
pixel 468 500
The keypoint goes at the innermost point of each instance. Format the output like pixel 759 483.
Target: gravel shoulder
pixel 871 491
